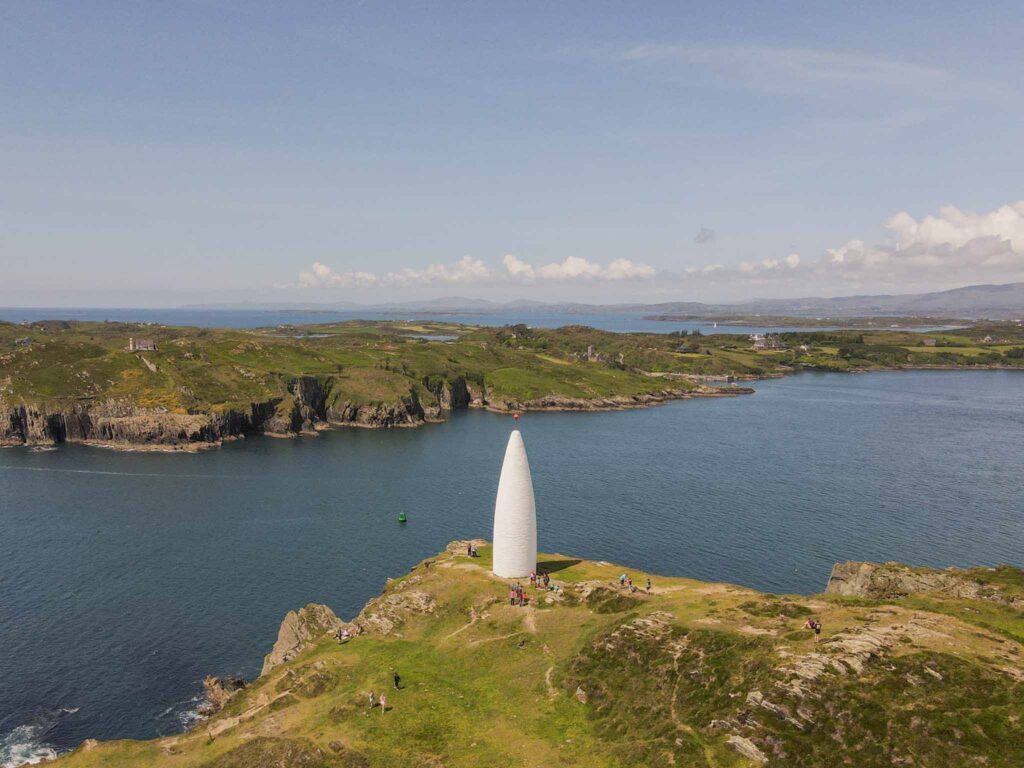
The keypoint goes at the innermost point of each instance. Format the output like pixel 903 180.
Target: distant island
pixel 914 666
pixel 148 386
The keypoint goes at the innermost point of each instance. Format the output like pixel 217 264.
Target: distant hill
pixel 996 302
pixel 972 301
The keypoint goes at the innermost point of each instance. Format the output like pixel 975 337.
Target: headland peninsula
pixel 157 387
pixel 606 666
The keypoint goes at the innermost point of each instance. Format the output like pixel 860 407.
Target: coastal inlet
pixel 146 572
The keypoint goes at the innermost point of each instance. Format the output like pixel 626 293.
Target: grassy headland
pixel 691 674
pixel 78 381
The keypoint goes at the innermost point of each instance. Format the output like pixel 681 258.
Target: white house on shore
pixel 515 514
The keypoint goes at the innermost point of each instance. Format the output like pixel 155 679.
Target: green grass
pixel 505 688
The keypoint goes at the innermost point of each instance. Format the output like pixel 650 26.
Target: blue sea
pixel 125 578
pixel 622 322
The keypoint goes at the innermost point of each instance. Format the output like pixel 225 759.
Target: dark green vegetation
pixel 79 381
pixel 692 674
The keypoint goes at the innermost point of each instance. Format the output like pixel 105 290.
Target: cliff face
pixel 312 403
pixel 115 422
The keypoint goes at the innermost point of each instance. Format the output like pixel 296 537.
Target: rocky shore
pixel 309 408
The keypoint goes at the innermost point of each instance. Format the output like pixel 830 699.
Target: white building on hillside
pixel 515 513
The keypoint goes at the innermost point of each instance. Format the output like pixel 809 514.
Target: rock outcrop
pixel 299 630
pixel 893 581
pixel 219 691
pixel 612 403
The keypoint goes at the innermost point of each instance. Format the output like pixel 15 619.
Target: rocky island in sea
pixel 154 387
pixel 914 667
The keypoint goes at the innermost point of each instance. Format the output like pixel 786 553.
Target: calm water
pixel 125 578
pixel 622 322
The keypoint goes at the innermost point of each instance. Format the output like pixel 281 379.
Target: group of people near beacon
pixel 626 581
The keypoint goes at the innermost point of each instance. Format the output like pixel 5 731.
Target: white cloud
pixel 575 268
pixel 470 270
pixel 955 228
pixel 803 71
pixel 954 246
pixel 707 269
pixel 770 265
pixel 322 275
pixel 517 268
pixel 466 269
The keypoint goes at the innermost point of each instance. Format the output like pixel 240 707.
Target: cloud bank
pixel 954 245
pixel 470 270
pixel 949 248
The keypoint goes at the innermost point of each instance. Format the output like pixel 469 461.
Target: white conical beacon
pixel 515 513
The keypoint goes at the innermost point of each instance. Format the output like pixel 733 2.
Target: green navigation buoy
pixel 401 517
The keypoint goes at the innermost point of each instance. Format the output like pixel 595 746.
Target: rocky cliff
pixel 298 631
pixel 893 581
pixel 311 403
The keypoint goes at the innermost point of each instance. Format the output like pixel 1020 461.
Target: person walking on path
pixel 383 703
pixel 398 680
pixel 648 585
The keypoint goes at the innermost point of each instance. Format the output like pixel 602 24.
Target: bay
pixel 125 578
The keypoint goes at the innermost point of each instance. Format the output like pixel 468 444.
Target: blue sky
pixel 155 154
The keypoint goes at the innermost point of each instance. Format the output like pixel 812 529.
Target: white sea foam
pixel 184 713
pixel 24 746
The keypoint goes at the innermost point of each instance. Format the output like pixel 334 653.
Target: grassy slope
pixel 501 689
pixel 215 370
pixel 209 370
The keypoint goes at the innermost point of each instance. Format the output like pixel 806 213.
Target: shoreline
pixel 554 404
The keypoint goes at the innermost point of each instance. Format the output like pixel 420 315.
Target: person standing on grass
pixel 816 626
pixel 398 680
pixel 383 703
pixel 372 700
